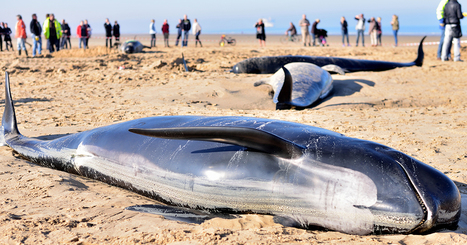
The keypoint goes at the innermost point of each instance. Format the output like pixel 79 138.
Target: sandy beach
pixel 420 111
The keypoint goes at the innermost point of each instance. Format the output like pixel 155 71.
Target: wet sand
pixel 417 110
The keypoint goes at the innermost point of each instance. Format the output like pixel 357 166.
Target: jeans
pixel 20 42
pixel 82 40
pixel 448 38
pixel 36 45
pixel 185 38
pixel 361 32
pixel 178 37
pixel 395 36
pixel 344 35
pixel 440 46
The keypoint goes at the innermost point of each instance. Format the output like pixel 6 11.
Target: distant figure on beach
pixel 292 30
pixel 53 33
pixel 304 24
pixel 165 32
pixel 197 32
pixel 36 32
pixel 452 16
pixel 186 26
pixel 7 32
pixel 379 32
pixel 108 33
pixel 66 33
pixel 440 16
pixel 179 31
pixel 21 34
pixel 260 34
pixel 43 25
pixel 152 32
pixel 345 31
pixel 89 29
pixel 1 38
pixel 116 31
pixel 372 31
pixel 82 33
pixel 395 27
pixel 360 29
pixel 314 33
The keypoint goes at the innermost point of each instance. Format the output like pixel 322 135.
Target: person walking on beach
pixel 452 16
pixel 53 33
pixel 116 31
pixel 108 33
pixel 379 32
pixel 82 33
pixel 360 29
pixel 345 31
pixel 7 32
pixel 165 32
pixel 372 31
pixel 197 32
pixel 89 29
pixel 21 34
pixel 152 32
pixel 179 31
pixel 36 31
pixel 66 33
pixel 304 24
pixel 440 16
pixel 186 26
pixel 260 34
pixel 395 27
pixel 314 31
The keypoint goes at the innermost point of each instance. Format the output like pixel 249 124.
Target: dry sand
pixel 419 111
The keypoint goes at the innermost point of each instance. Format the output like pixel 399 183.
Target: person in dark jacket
pixel 116 30
pixel 179 31
pixel 108 33
pixel 66 33
pixel 452 16
pixel 186 26
pixel 345 31
pixel 7 37
pixel 165 32
pixel 1 36
pixel 314 28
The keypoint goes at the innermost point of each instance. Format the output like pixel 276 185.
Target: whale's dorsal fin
pixel 247 137
pixel 9 124
pixel 285 93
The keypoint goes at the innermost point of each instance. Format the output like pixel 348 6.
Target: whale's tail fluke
pixel 421 54
pixel 284 97
pixel 9 124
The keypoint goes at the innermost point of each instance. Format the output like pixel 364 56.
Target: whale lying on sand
pixel 309 175
pixel 132 46
pixel 271 64
pixel 299 84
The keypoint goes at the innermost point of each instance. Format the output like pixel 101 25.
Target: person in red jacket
pixel 82 32
pixel 21 34
pixel 165 31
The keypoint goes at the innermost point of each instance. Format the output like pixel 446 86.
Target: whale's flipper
pixel 184 63
pixel 247 137
pixel 9 124
pixel 333 69
pixel 421 54
pixel 285 92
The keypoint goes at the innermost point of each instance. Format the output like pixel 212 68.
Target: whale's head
pixel 129 49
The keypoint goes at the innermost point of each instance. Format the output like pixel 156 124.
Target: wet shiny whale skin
pixel 310 175
pixel 132 46
pixel 271 64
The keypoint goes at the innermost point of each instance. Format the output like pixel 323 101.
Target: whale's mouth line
pixel 419 198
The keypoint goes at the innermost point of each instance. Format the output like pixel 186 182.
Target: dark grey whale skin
pixel 271 64
pixel 310 175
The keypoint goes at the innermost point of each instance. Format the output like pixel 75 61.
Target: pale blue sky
pixel 229 16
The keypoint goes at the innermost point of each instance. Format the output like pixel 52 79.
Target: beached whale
pixel 299 84
pixel 132 46
pixel 271 64
pixel 309 175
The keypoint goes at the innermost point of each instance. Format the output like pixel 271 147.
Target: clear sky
pixel 225 16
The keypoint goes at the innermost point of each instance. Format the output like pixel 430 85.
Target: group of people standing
pixel 449 14
pixel 183 28
pixel 5 33
pixel 109 32
pixel 304 26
